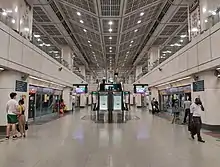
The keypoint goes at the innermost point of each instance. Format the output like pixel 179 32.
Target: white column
pixel 82 70
pixel 67 98
pixel 154 55
pixel 67 56
pixel 7 85
pixel 138 71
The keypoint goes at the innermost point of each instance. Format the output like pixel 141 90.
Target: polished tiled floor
pixel 72 142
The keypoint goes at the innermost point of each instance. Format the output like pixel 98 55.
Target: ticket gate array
pixel 110 108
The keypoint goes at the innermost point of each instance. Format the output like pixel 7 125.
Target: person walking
pixel 21 118
pixel 153 105
pixel 187 104
pixel 12 113
pixel 73 103
pixel 196 110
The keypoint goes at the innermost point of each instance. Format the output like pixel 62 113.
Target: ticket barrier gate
pixel 110 107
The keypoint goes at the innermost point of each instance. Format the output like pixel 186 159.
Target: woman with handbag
pixel 21 118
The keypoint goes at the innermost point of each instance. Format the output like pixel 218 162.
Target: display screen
pixel 140 89
pixel 80 90
pixel 107 87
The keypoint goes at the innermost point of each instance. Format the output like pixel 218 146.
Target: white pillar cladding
pixel 82 70
pixel 67 98
pixel 67 56
pixel 154 56
pixel 18 15
pixel 138 71
pixel 7 85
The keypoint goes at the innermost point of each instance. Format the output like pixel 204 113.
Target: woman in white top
pixel 196 110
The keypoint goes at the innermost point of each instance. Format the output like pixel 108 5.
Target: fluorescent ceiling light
pixel 136 30
pixel 9 11
pixel 1 69
pixel 89 41
pixel 26 29
pixel 110 22
pixel 4 13
pixel 183 36
pixel 41 44
pixel 110 51
pixel 90 45
pixel 132 41
pixel 78 13
pixel 172 45
pixel 47 45
pixel 130 45
pixel 39 79
pixel 195 29
pixel 16 9
pixel 13 21
pixel 110 37
pixel 81 21
pixel 110 30
pixel 177 44
pixel 38 39
pixel 139 21
pixel 110 47
pixel 37 36
pixel 204 10
pixel 206 21
pixel 142 13
pixel 84 30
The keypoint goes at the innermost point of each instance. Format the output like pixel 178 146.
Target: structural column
pixel 7 86
pixel 67 98
pixel 67 56
pixel 138 71
pixel 82 70
pixel 154 56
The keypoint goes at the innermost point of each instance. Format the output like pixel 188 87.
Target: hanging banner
pixel 195 23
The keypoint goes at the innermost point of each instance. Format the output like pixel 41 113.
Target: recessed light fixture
pixel 78 13
pixel 47 45
pixel 84 30
pixel 13 21
pixel 130 45
pixel 2 69
pixel 204 10
pixel 136 30
pixel 93 52
pixel 26 29
pixel 110 22
pixel 183 36
pixel 110 47
pixel 38 39
pixel 110 51
pixel 37 36
pixel 142 13
pixel 110 37
pixel 172 45
pixel 206 21
pixel 4 13
pixel 89 42
pixel 90 45
pixel 81 21
pixel 110 30
pixel 181 40
pixel 132 41
pixel 139 21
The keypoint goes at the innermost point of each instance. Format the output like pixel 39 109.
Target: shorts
pixel 12 119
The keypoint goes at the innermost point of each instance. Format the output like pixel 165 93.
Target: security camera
pixel 60 69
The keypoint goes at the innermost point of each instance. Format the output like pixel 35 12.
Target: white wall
pixel 199 55
pixel 19 54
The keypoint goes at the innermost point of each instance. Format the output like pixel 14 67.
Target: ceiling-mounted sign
pixel 198 86
pixel 20 86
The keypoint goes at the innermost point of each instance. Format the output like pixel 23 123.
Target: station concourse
pixel 109 83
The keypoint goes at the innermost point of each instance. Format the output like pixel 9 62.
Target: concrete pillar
pixel 67 98
pixel 154 55
pixel 18 16
pixel 138 71
pixel 8 85
pixel 67 56
pixel 82 70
